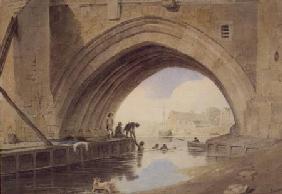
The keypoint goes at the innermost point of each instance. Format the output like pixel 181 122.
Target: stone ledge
pixel 181 2
pixel 42 157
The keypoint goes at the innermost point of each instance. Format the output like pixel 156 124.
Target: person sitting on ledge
pixel 118 132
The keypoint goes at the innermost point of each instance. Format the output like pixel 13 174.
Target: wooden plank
pixel 39 134
pixel 6 42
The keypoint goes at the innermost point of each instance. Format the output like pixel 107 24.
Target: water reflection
pixel 130 173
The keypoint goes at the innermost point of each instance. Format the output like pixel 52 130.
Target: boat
pixel 214 134
pixel 197 146
pixel 165 133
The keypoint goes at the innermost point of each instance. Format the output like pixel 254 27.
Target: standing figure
pixel 110 125
pixel 132 131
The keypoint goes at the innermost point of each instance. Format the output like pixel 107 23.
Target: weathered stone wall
pixel 267 107
pixel 75 24
pixel 8 8
pixel 26 72
pixel 32 58
pixel 52 33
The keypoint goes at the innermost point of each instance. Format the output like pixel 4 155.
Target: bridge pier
pixel 56 62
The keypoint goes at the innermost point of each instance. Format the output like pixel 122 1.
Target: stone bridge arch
pixel 111 65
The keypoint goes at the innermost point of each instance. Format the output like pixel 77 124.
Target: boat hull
pixel 167 133
pixel 197 146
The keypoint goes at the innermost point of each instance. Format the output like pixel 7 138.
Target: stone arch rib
pixel 92 60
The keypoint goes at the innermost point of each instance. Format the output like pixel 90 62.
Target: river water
pixel 130 173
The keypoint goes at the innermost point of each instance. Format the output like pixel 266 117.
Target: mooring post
pixel 34 161
pixel 81 150
pixel 51 162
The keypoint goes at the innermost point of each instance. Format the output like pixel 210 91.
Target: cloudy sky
pixel 170 89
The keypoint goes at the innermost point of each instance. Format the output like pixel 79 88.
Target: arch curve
pixel 105 71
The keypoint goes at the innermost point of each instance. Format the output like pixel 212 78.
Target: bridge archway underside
pixel 109 67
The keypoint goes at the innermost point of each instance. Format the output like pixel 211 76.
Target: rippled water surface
pixel 130 173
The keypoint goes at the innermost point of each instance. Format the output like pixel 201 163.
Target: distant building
pixel 213 120
pixel 181 122
pixel 213 115
pixel 226 118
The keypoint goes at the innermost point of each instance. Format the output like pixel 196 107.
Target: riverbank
pixel 239 140
pixel 261 171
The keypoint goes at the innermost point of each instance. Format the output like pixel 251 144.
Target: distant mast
pixel 163 117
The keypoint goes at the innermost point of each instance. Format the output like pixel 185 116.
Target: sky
pixel 162 84
pixel 175 89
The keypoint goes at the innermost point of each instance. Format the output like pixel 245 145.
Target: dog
pixel 101 186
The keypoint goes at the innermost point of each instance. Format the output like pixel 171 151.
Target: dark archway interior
pixel 110 84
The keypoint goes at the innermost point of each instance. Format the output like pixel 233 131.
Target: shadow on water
pixel 129 173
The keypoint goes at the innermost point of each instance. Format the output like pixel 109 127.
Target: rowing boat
pixel 196 146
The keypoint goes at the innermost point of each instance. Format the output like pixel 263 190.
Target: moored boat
pixel 199 146
pixel 165 133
